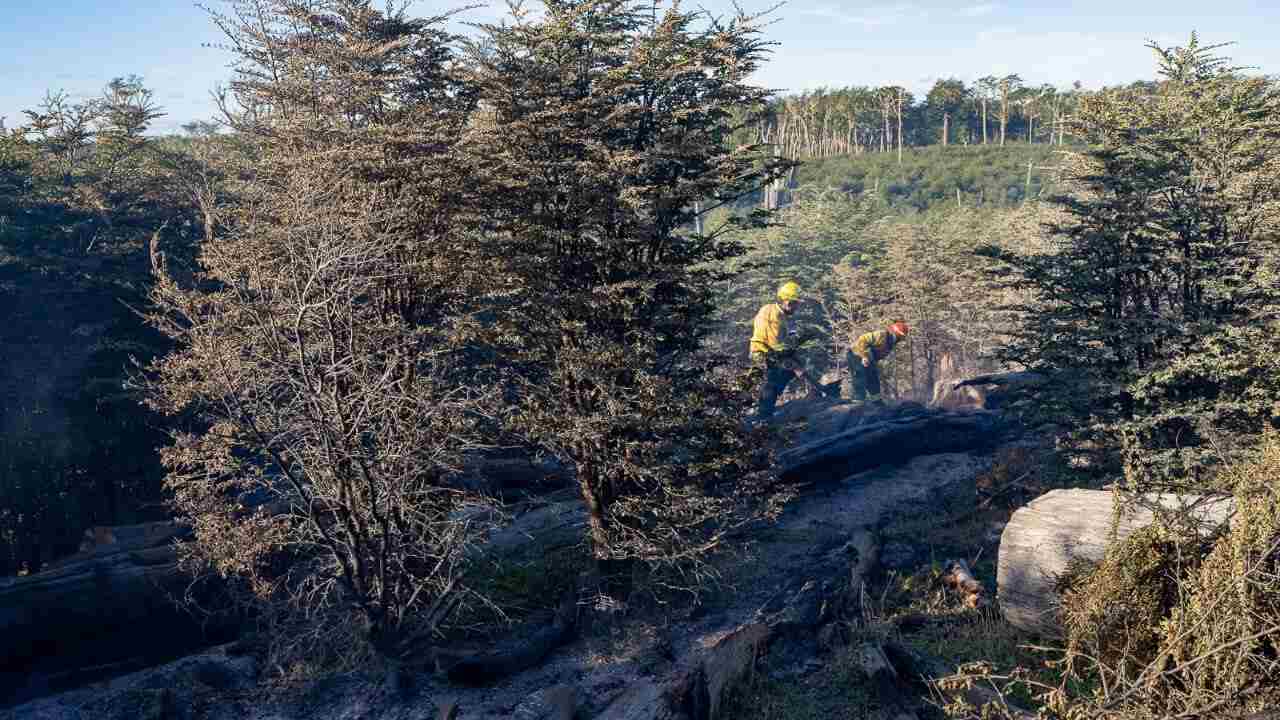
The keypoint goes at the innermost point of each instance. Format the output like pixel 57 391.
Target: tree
pixel 318 355
pixel 1007 86
pixel 945 102
pixel 1167 261
pixel 608 123
pixel 985 91
pixel 901 97
pixel 887 100
pixel 81 192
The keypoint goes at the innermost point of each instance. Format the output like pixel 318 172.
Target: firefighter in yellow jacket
pixel 770 354
pixel 868 350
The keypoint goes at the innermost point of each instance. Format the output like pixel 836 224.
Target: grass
pixel 523 586
pixel 834 692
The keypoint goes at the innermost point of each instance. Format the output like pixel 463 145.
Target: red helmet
pixel 900 328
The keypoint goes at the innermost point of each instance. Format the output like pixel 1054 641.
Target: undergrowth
pixel 913 607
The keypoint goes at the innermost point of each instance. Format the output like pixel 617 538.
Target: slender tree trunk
pixel 899 127
pixel 1004 112
pixel 984 121
pixel 946 122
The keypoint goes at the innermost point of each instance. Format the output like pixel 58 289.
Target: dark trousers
pixel 865 378
pixel 774 381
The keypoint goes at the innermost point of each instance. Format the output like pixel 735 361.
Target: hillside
pixel 930 176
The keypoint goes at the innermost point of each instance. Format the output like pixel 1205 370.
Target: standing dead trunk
pixel 984 121
pixel 899 107
pixel 946 129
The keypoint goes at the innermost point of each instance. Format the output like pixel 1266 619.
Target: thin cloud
pixel 978 10
pixel 1000 32
pixel 867 17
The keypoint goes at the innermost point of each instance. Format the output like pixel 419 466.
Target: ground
pixel 924 511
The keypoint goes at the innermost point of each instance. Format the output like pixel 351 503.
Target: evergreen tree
pixel 1166 263
pixel 945 106
pixel 608 121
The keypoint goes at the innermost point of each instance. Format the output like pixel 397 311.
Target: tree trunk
pixel 946 122
pixel 850 440
pixel 899 127
pixel 984 121
pixel 1042 538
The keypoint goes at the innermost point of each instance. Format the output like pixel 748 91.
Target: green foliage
pixel 830 122
pixel 1169 241
pixel 820 230
pixel 81 192
pixel 1203 409
pixel 930 177
pixel 1178 624
pixel 605 124
pixel 1113 612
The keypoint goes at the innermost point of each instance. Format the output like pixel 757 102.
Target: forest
pixel 402 254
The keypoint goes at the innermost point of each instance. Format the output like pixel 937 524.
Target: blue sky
pixel 79 45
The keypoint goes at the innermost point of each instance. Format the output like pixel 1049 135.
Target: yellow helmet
pixel 789 291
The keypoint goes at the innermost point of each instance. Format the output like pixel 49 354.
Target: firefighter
pixel 771 356
pixel 868 350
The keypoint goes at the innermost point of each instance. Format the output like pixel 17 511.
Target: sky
pixel 79 45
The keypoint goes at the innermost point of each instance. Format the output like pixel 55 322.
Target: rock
pixel 1043 537
pixel 541 529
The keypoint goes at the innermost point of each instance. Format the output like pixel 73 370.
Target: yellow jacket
pixel 874 346
pixel 769 330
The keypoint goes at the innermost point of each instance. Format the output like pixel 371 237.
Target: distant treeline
pixel 852 120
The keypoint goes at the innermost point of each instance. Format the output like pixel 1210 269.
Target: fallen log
pixel 85 610
pixel 887 438
pixel 513 476
pixel 982 391
pixel 1005 379
pixel 1043 537
pixel 519 653
pixel 537 531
